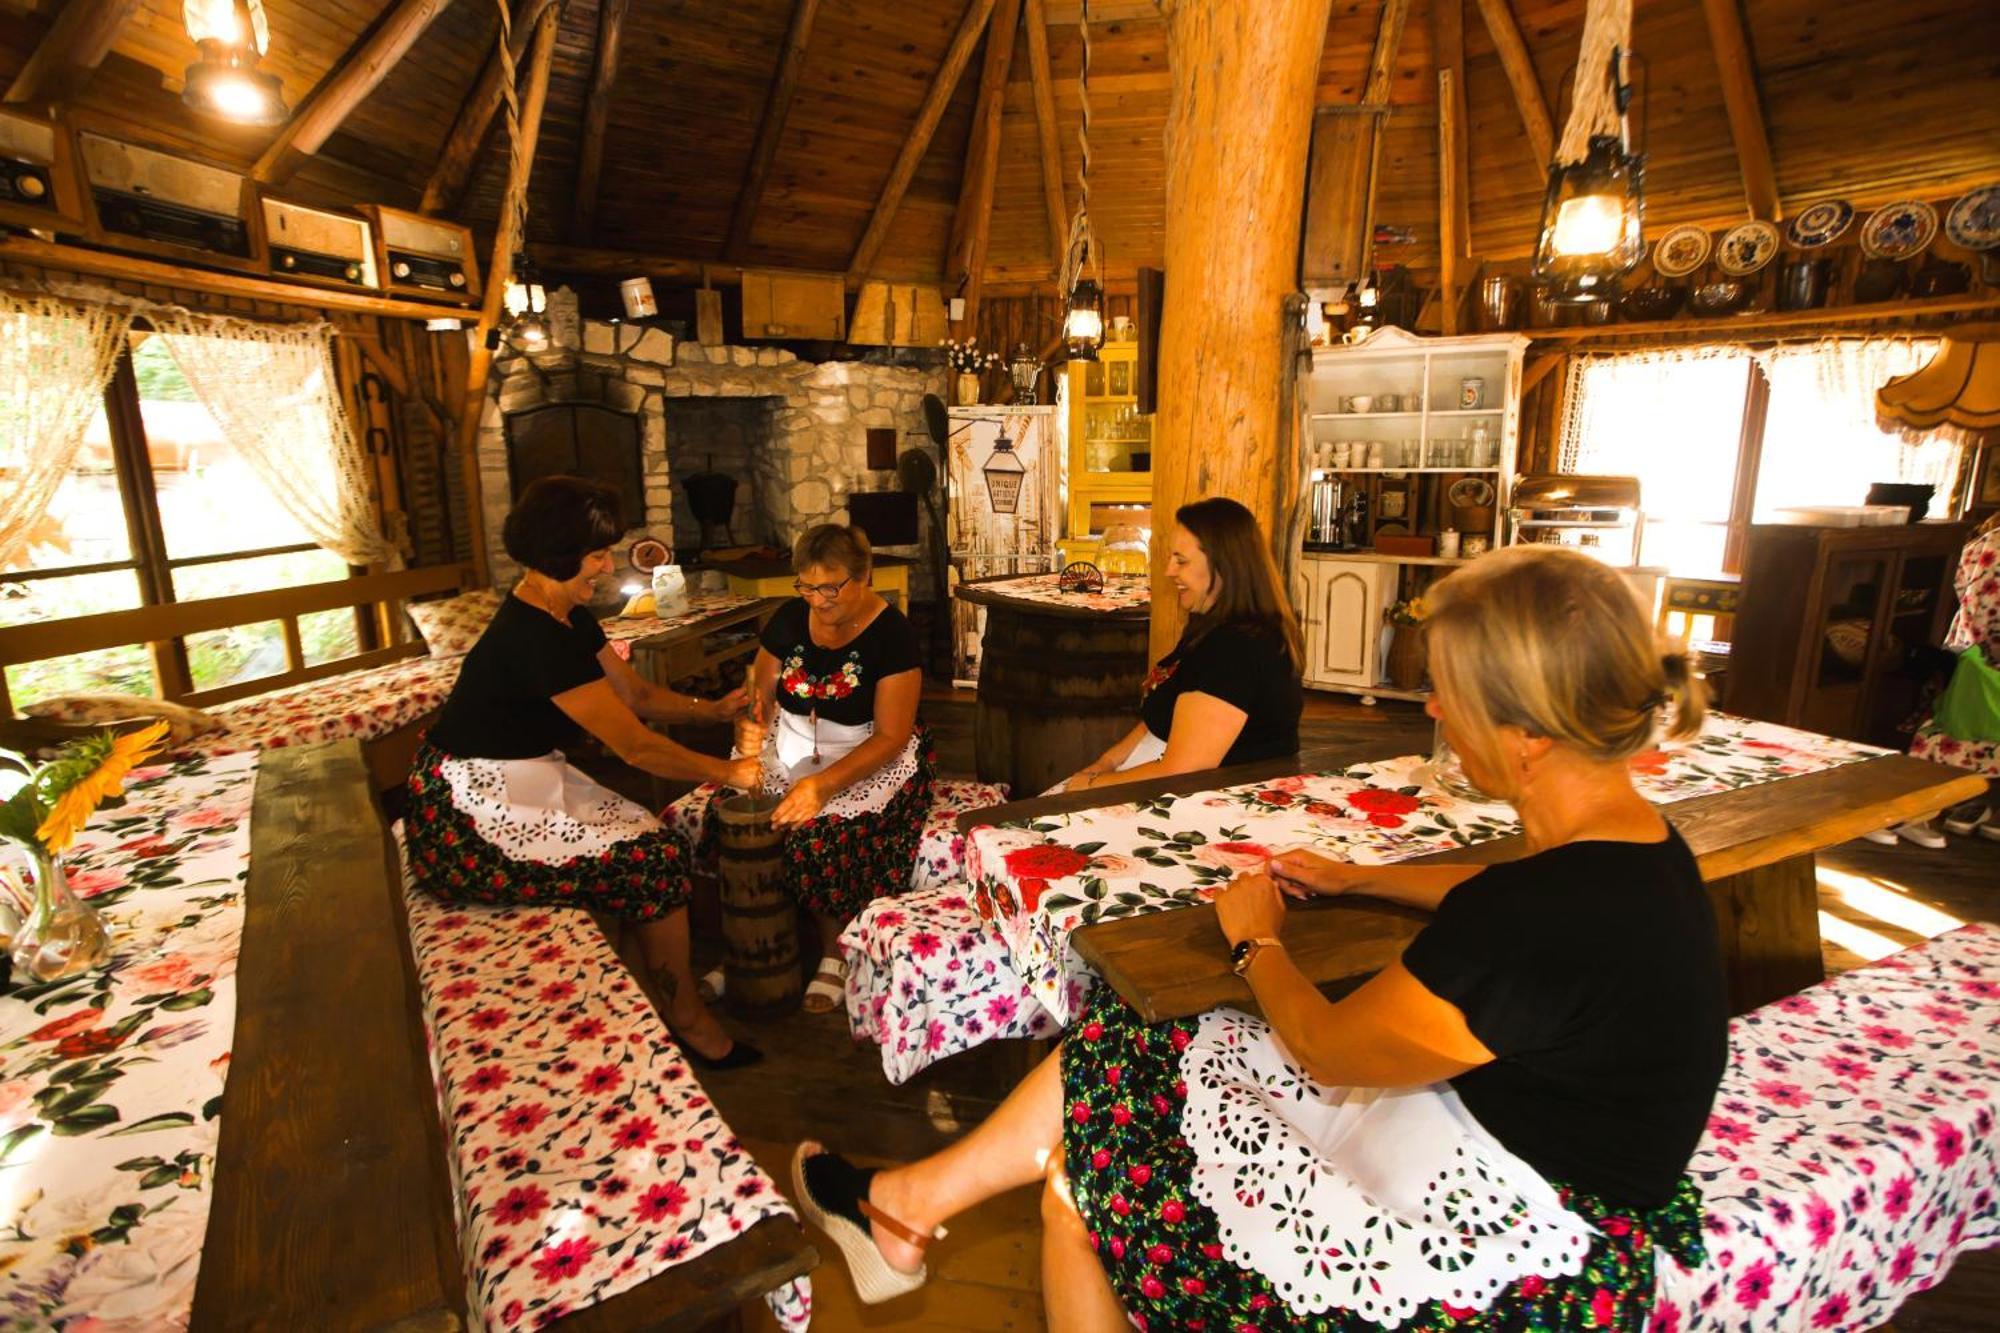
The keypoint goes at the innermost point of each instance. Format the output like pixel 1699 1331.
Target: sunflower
pixel 73 800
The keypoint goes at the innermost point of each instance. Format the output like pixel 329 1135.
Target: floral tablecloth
pixel 1041 879
pixel 1122 592
pixel 1851 1152
pixel 586 1157
pixel 111 1082
pixel 624 630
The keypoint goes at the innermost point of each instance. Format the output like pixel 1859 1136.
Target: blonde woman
pixel 1491 1133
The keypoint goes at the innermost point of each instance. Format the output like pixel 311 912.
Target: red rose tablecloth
pixel 1040 879
pixel 111 1082
pixel 1122 592
pixel 586 1158
pixel 1851 1151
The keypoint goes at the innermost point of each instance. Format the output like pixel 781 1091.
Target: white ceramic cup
pixel 1448 543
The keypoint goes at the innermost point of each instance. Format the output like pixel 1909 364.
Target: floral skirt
pixel 640 878
pixel 838 864
pixel 1130 1173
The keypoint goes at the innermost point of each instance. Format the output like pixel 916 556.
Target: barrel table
pixel 1059 675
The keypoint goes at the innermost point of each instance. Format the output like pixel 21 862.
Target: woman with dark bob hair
pixel 1492 1133
pixel 837 679
pixel 497 815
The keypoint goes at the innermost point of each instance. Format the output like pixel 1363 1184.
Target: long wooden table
pixel 333 1206
pixel 1755 847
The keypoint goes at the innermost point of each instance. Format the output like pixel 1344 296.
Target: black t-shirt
pixel 1245 666
pixel 1592 971
pixel 838 683
pixel 500 707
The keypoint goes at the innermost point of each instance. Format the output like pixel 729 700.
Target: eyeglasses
pixel 827 590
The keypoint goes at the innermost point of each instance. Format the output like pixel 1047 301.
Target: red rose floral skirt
pixel 1130 1170
pixel 642 877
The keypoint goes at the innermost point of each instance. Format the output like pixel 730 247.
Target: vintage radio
pixel 147 200
pixel 38 186
pixel 420 256
pixel 313 245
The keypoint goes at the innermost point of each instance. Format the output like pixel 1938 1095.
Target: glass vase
pixel 61 935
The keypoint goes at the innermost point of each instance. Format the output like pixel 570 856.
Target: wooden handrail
pixel 173 620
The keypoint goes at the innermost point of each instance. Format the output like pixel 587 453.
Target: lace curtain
pixel 270 387
pixel 1613 400
pixel 55 357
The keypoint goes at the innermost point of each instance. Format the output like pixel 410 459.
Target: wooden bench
pixel 333 1206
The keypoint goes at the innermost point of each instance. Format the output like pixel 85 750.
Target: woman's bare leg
pixel 1014 1146
pixel 1075 1292
pixel 664 943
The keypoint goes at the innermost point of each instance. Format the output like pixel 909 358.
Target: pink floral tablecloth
pixel 1122 592
pixel 1851 1152
pixel 586 1157
pixel 111 1082
pixel 1041 879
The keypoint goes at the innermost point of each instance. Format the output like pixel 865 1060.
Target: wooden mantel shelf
pixel 1731 327
pixel 109 264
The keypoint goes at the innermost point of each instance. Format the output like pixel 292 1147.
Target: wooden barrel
pixel 1055 690
pixel 760 923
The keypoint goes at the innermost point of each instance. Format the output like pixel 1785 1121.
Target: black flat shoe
pixel 741 1054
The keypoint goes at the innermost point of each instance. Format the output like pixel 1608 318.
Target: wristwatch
pixel 1240 956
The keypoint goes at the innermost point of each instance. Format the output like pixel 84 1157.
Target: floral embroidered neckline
pixel 839 683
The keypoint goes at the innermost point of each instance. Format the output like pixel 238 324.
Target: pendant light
pixel 1954 396
pixel 225 82
pixel 1083 323
pixel 526 303
pixel 1593 212
pixel 1004 472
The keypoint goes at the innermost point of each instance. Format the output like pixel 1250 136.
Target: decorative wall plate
pixel 1899 230
pixel 1680 252
pixel 1974 221
pixel 1822 224
pixel 1746 247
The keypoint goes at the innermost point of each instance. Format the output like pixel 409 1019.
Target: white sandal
pixel 828 989
pixel 874 1280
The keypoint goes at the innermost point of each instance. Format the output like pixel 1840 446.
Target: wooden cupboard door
pixel 1348 605
pixel 1305 596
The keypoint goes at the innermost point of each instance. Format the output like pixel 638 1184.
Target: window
pixel 158 507
pixel 1722 437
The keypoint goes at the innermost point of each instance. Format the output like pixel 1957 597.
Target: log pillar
pixel 1238 128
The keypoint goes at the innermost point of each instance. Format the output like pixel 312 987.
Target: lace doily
pixel 863 796
pixel 542 809
pixel 1361 1198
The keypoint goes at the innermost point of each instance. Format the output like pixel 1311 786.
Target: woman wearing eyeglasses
pixel 835 690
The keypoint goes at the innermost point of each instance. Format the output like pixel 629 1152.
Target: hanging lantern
pixel 225 82
pixel 1004 474
pixel 1083 322
pixel 1024 368
pixel 527 305
pixel 1593 213
pixel 1083 326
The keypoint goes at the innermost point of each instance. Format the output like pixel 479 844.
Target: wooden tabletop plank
pixel 331 1207
pixel 689 1295
pixel 1169 964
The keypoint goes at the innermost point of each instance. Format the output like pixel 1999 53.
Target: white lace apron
pixel 1149 748
pixel 1361 1198
pixel 788 756
pixel 542 809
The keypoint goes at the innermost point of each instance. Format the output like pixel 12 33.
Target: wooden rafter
pixel 776 107
pixel 1746 113
pixel 1345 164
pixel 1382 62
pixel 479 362
pixel 1454 183
pixel 596 115
pixel 977 12
pixel 475 117
pixel 345 89
pixel 965 257
pixel 75 45
pixel 1037 24
pixel 1521 77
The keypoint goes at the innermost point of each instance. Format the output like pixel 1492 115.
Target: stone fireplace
pixel 792 433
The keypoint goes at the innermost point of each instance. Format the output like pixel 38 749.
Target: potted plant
pixel 45 806
pixel 1407 658
pixel 967 363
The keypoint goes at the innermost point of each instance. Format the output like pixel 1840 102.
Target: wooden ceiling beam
pixel 1521 77
pixel 971 221
pixel 1454 175
pixel 1746 111
pixel 358 75
pixel 743 221
pixel 977 12
pixel 596 116
pixel 1036 21
pixel 1345 166
pixel 1382 61
pixel 74 46
pixel 475 117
